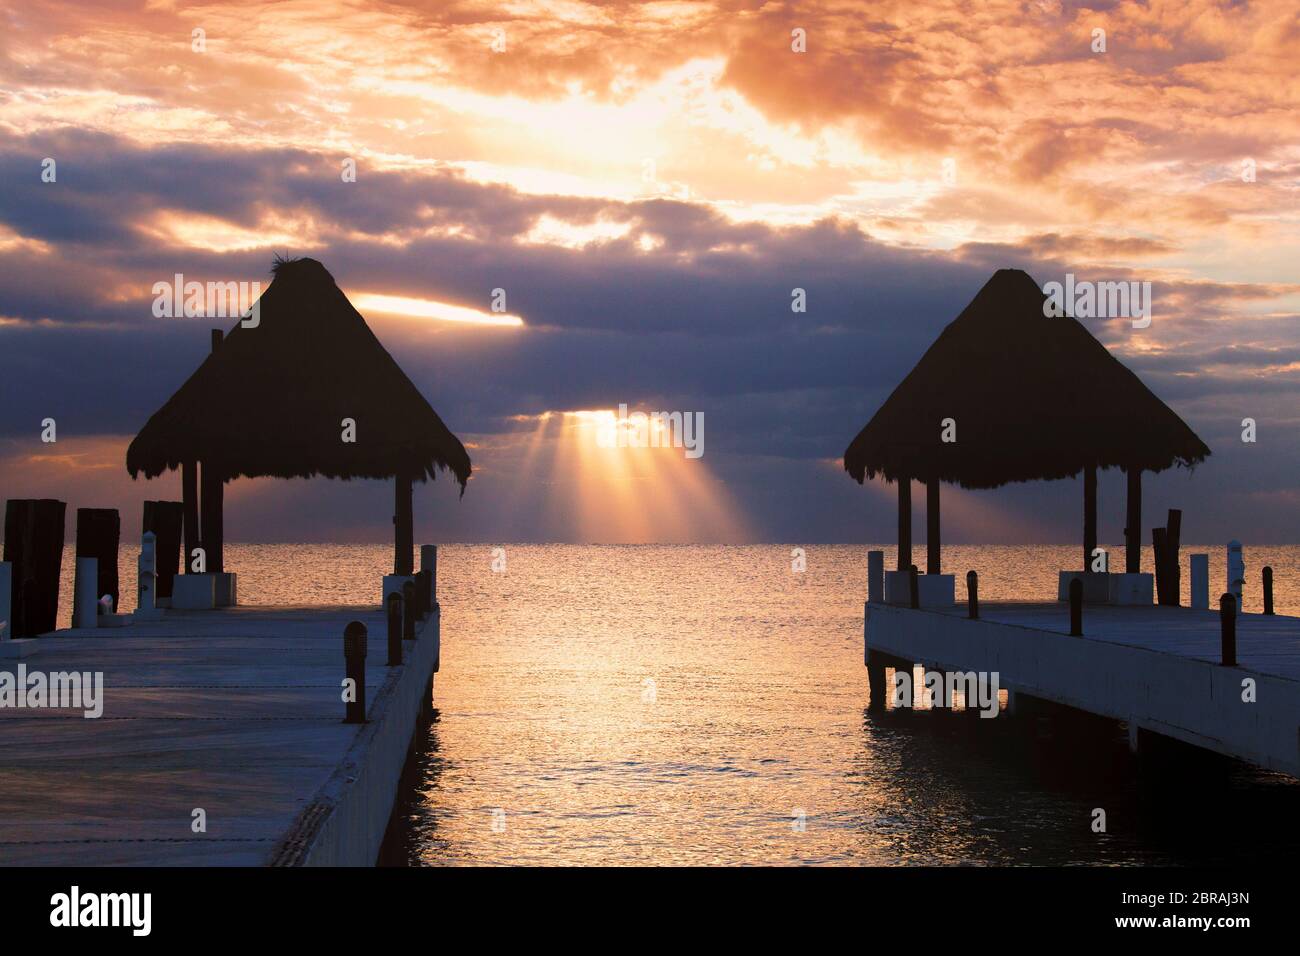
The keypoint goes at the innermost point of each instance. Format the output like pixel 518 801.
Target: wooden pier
pixel 236 713
pixel 1156 668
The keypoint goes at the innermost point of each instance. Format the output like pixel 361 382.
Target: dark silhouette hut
pixel 1030 397
pixel 275 399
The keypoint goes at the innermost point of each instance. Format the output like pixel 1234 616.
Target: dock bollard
pixel 409 611
pixel 914 586
pixel 354 658
pixel 1076 608
pixel 1228 628
pixel 1268 590
pixel 394 611
pixel 973 595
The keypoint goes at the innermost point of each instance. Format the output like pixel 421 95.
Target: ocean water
pixel 707 705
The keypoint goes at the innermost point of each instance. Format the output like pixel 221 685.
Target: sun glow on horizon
pixel 431 309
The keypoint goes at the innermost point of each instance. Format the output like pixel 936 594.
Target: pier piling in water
pixel 973 595
pixel 1076 608
pixel 1268 590
pixel 1228 630
pixel 354 657
pixel 914 586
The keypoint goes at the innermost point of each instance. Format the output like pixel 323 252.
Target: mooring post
pixel 409 611
pixel 394 629
pixel 354 659
pixel 1228 628
pixel 915 587
pixel 1076 607
pixel 429 562
pixel 1268 590
pixel 6 597
pixel 973 595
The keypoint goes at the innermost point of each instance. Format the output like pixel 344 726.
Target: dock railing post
pixel 394 629
pixel 1228 628
pixel 973 595
pixel 354 658
pixel 409 611
pixel 1268 590
pixel 914 586
pixel 1076 608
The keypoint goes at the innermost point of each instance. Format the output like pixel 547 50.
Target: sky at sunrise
pixel 647 183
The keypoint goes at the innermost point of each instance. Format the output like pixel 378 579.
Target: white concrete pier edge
pixel 345 822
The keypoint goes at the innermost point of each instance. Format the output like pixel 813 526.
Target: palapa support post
pixel 1076 608
pixel 1268 590
pixel 34 547
pixel 972 595
pixel 403 527
pixel 190 504
pixel 904 523
pixel 98 533
pixel 409 611
pixel 354 659
pixel 1228 629
pixel 1133 524
pixel 932 526
pixel 914 587
pixel 394 612
pixel 1089 515
pixel 212 506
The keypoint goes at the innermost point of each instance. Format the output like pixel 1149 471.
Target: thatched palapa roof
pixel 270 400
pixel 1033 397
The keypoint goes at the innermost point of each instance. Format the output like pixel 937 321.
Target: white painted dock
pixel 1156 668
pixel 237 712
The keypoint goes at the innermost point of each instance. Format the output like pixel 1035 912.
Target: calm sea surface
pixel 707 705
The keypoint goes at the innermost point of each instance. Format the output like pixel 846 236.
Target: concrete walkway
pixel 1156 668
pixel 236 712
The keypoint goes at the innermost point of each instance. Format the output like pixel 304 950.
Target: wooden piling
pixel 914 586
pixel 99 532
pixel 1268 590
pixel 409 611
pixel 1076 607
pixel 394 612
pixel 165 519
pixel 354 658
pixel 876 681
pixel 972 595
pixel 34 547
